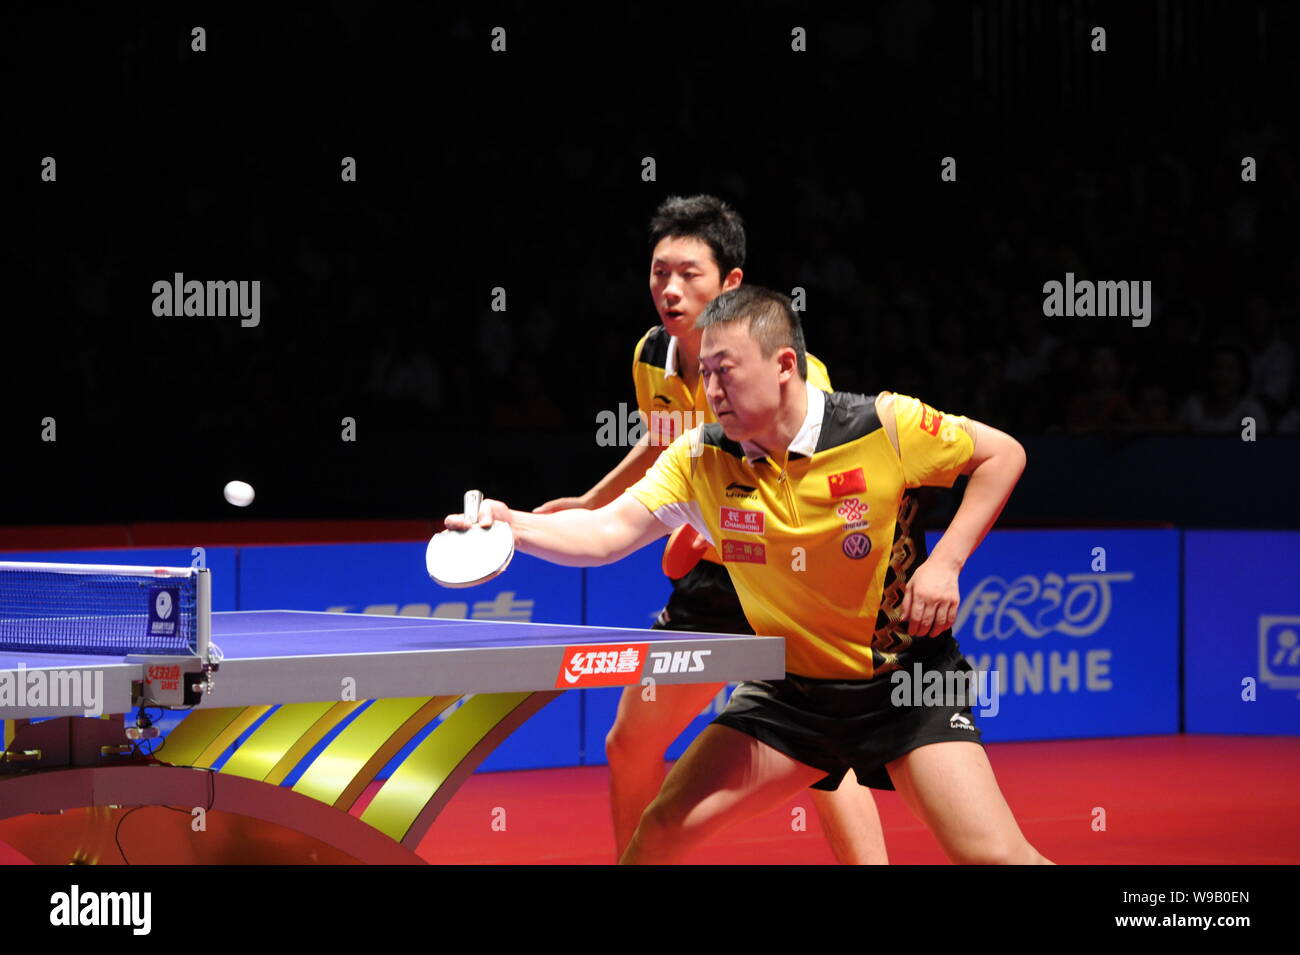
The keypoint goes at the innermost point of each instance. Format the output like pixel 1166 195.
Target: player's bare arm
pixel 932 597
pixel 575 537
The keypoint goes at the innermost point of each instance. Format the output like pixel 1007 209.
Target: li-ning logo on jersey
pixel 736 489
pixel 664 398
pixel 856 546
pixel 678 661
pixel 959 722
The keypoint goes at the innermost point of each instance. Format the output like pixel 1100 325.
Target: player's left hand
pixel 930 600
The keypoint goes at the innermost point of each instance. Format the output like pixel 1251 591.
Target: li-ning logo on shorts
pixel 856 546
pixel 959 722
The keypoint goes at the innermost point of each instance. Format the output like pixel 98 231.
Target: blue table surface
pixel 253 634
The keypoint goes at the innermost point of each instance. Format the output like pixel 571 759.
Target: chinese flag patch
pixel 847 482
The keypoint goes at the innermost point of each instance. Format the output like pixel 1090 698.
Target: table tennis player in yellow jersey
pixel 697 248
pixel 844 586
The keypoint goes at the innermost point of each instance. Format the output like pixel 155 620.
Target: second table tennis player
pixel 849 588
pixel 697 251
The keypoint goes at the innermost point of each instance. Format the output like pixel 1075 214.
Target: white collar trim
pixel 670 362
pixel 805 441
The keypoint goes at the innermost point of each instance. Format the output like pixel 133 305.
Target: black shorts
pixel 705 601
pixel 838 725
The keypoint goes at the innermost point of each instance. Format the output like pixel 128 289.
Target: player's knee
pixel 622 747
pixel 990 851
pixel 627 744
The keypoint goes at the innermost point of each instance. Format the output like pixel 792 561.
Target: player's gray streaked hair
pixel 773 322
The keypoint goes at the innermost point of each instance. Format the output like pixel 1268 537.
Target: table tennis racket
pixel 469 557
pixel 684 550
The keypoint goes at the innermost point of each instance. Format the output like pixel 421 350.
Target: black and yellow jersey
pixel 820 544
pixel 668 407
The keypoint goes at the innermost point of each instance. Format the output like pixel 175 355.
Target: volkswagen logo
pixel 857 546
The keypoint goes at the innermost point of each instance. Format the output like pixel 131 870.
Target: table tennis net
pixel 104 611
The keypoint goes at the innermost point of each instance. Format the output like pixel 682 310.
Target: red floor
pixel 1178 800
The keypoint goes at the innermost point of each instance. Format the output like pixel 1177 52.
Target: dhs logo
pixel 678 661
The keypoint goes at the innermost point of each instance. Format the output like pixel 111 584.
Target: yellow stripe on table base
pixel 201 738
pixel 435 767
pixel 353 758
pixel 273 749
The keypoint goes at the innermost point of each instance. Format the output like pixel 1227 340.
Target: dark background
pixel 523 170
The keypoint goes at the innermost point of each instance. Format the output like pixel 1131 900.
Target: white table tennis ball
pixel 239 493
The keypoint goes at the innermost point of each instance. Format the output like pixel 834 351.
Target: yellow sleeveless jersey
pixel 668 407
pixel 820 549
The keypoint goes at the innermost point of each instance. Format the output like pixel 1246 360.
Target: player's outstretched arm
pixel 576 537
pixel 994 468
pixel 627 472
pixel 931 599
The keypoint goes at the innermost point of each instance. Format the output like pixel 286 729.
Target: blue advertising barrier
pixel 1081 628
pixel 1242 632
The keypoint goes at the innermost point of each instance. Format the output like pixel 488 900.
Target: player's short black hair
pixel 773 322
pixel 708 219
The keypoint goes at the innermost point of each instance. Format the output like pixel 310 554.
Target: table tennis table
pixel 287 681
